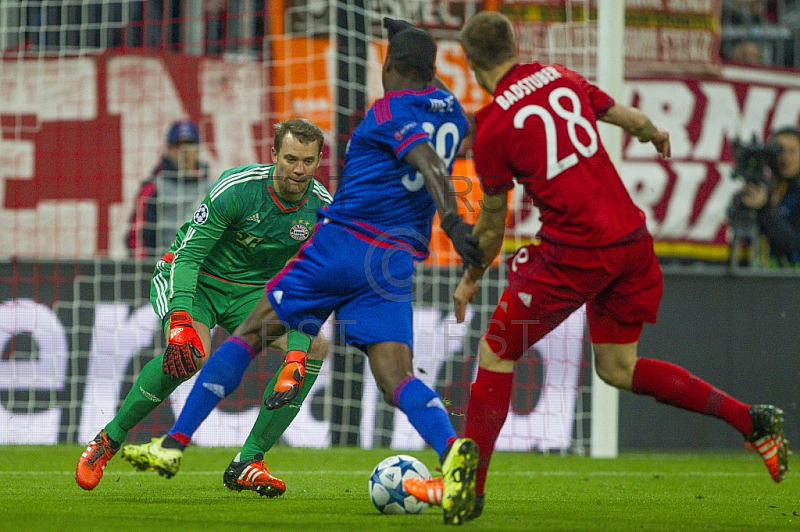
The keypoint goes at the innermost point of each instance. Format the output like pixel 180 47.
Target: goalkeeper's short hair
pixel 302 129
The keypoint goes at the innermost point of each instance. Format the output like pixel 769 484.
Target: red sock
pixel 489 400
pixel 673 385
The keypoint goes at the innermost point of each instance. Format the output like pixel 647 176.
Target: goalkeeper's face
pixel 295 165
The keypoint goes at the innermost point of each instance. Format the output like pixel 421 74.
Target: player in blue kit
pixel 360 261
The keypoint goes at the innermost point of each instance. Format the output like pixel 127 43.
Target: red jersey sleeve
pixel 601 102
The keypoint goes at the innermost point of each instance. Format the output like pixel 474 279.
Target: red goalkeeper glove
pixel 184 348
pixel 289 382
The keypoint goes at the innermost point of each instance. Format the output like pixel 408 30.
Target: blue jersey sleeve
pixel 375 171
pixel 396 126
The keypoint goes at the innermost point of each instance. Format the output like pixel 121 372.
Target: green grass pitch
pixel 327 491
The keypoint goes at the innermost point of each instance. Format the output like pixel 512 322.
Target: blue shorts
pixel 365 280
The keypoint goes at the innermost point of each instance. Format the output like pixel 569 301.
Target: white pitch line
pixel 494 473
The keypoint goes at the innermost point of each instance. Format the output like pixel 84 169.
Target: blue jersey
pixel 379 194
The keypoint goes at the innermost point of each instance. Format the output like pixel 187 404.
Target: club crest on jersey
pixel 201 214
pixel 299 232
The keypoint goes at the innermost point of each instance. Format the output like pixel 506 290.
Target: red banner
pixel 686 197
pixel 80 134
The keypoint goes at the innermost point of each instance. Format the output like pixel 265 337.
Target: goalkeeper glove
pixel 394 26
pixel 289 382
pixel 184 348
pixel 466 244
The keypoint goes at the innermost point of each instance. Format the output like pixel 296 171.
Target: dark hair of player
pixel 488 39
pixel 302 129
pixel 414 54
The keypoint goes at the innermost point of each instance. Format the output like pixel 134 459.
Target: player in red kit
pixel 541 129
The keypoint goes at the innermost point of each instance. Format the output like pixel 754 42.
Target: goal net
pixel 90 92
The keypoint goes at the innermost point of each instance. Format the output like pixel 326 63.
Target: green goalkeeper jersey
pixel 243 232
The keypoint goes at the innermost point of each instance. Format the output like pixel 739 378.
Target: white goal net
pixel 90 90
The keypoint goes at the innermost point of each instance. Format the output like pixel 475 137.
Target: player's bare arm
pixel 489 230
pixel 638 125
pixel 424 159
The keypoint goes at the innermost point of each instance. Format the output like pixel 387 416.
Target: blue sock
pixel 218 377
pixel 426 412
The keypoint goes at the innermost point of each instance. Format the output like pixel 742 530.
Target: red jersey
pixel 541 128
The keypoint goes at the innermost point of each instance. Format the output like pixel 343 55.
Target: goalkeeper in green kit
pixel 250 224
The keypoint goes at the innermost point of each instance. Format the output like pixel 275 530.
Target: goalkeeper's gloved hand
pixel 394 26
pixel 466 244
pixel 289 382
pixel 184 348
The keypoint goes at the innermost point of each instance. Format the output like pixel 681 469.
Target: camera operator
pixel 778 204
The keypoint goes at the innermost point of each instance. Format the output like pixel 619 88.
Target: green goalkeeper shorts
pixel 216 301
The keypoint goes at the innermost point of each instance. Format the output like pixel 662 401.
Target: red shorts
pixel 621 284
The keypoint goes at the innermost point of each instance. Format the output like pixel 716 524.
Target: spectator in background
pixel 747 52
pixel 171 195
pixel 778 205
pixel 748 12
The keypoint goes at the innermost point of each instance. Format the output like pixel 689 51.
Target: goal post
pixel 610 77
pixel 585 37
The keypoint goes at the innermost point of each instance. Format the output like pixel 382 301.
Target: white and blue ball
pixel 386 485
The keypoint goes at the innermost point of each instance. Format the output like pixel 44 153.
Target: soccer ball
pixel 386 485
